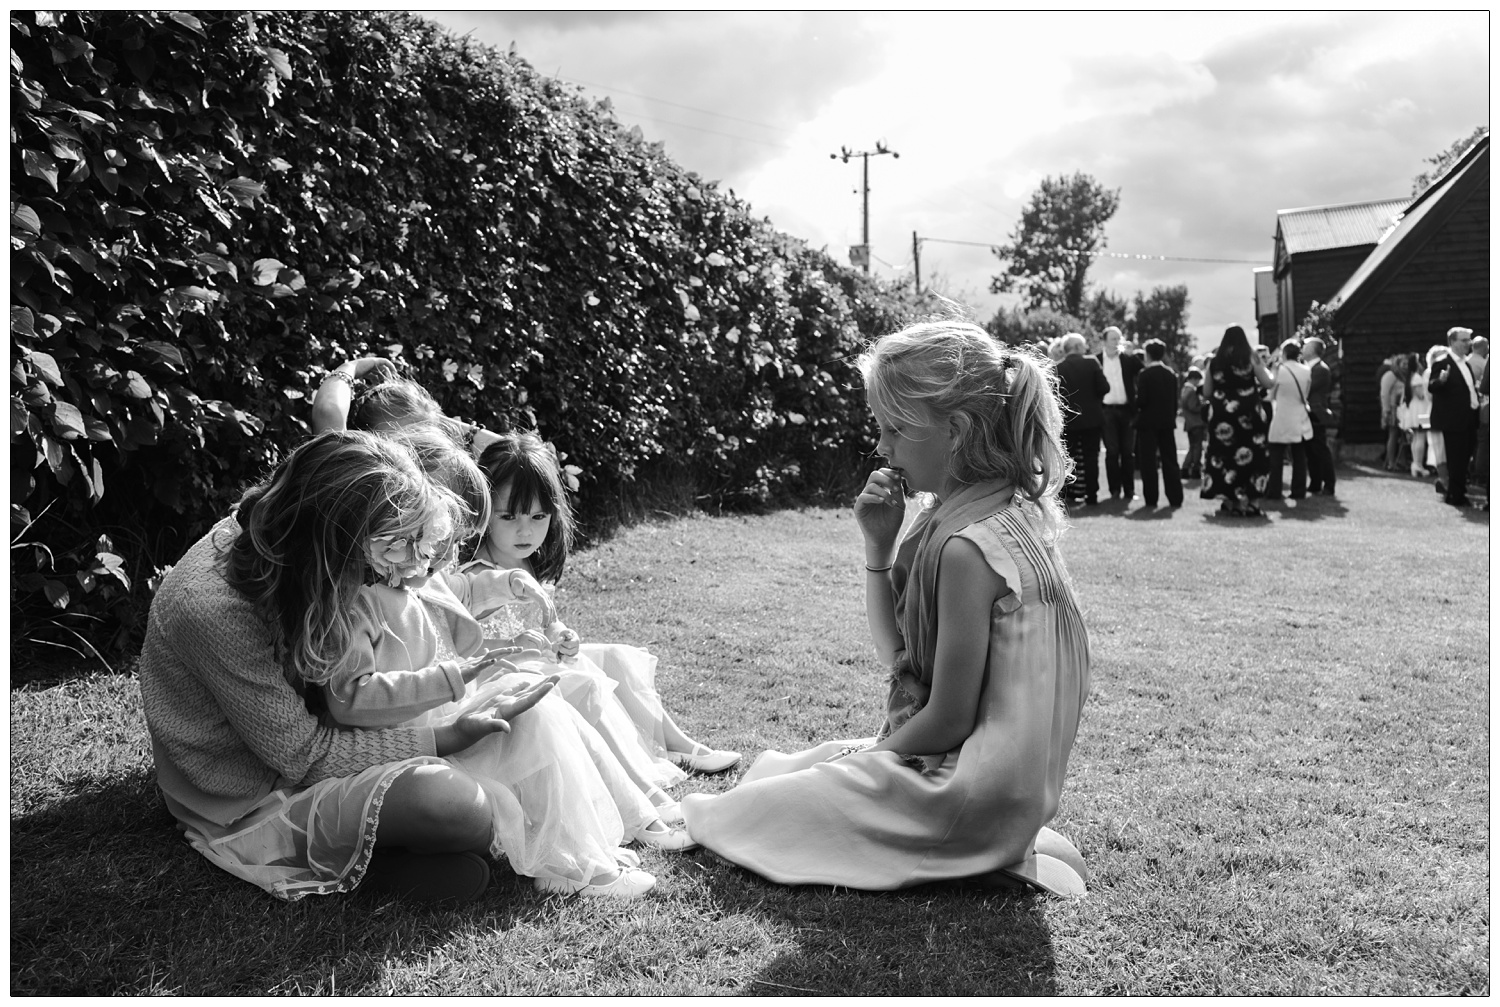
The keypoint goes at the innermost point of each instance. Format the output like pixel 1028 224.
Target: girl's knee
pixel 436 807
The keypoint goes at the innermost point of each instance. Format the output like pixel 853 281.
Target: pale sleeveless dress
pixel 873 820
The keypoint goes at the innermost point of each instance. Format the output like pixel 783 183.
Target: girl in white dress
pixel 612 684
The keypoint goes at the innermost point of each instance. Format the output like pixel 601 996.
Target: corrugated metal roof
pixel 1313 228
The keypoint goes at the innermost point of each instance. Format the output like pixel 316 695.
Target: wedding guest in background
pixel 1291 426
pixel 1156 425
pixel 1417 416
pixel 1083 386
pixel 1191 401
pixel 1479 358
pixel 1120 369
pixel 1320 469
pixel 1392 390
pixel 1235 463
pixel 1455 413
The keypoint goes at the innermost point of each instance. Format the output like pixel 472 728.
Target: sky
pixel 1207 123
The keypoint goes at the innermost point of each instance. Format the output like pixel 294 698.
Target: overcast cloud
pixel 1207 123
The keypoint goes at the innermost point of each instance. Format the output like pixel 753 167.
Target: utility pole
pixel 862 254
pixel 916 259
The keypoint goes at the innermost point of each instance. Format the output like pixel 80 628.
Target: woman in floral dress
pixel 1236 466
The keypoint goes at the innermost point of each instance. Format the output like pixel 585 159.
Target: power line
pixel 705 129
pixel 675 104
pixel 1114 255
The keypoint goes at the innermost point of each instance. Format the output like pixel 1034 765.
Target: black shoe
pixel 1441 487
pixel 1091 502
pixel 1326 492
pixel 1457 501
pixel 431 877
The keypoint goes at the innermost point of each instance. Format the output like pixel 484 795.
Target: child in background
pixel 531 528
pixel 1192 423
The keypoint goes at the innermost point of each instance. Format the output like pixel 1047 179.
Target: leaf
pixel 187 21
pixel 277 164
pixel 245 190
pixel 264 272
pixel 24 218
pixel 279 62
pixel 217 264
pixel 39 165
pixel 47 367
pixel 196 293
pixel 166 353
pixel 21 321
pixel 136 386
pixel 57 593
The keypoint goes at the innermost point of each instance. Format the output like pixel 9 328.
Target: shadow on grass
pixel 931 940
pixel 107 898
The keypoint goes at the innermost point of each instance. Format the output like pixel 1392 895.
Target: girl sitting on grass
pixel 531 529
pixel 397 642
pixel 975 619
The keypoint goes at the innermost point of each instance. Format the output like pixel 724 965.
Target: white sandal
pixel 666 838
pixel 703 759
pixel 631 883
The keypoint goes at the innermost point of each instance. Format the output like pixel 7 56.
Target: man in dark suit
pixel 1082 383
pixel 1455 412
pixel 1120 370
pixel 1156 425
pixel 1320 473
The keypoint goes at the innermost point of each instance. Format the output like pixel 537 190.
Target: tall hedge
pixel 210 210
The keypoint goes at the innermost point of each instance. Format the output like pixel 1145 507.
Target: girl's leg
pixel 1419 453
pixel 434 809
pixel 430 842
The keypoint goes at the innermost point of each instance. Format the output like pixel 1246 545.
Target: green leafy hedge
pixel 210 210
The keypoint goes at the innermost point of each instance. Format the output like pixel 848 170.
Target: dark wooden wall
pixel 1446 283
pixel 1315 276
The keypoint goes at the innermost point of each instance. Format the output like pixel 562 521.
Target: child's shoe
pixel 630 883
pixel 703 759
pixel 670 814
pixel 662 836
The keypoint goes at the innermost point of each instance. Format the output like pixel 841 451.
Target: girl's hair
pixel 390 401
pixel 531 467
pixel 448 464
pixel 300 557
pixel 1005 403
pixel 1434 351
pixel 1291 350
pixel 1234 348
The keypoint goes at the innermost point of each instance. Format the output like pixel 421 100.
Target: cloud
pixel 764 74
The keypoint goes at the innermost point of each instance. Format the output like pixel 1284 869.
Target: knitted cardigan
pixel 226 726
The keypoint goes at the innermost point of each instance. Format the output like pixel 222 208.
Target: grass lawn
pixel 1280 784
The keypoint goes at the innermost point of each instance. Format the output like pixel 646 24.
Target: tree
pixel 1162 314
pixel 1104 310
pixel 1060 233
pixel 1442 162
pixel 1039 325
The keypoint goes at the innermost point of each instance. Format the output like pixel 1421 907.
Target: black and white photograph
pixel 749 503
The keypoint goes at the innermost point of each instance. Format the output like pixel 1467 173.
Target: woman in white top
pixel 1417 418
pixel 1290 423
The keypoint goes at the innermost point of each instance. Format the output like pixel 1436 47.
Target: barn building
pixel 1431 272
pixel 1318 248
